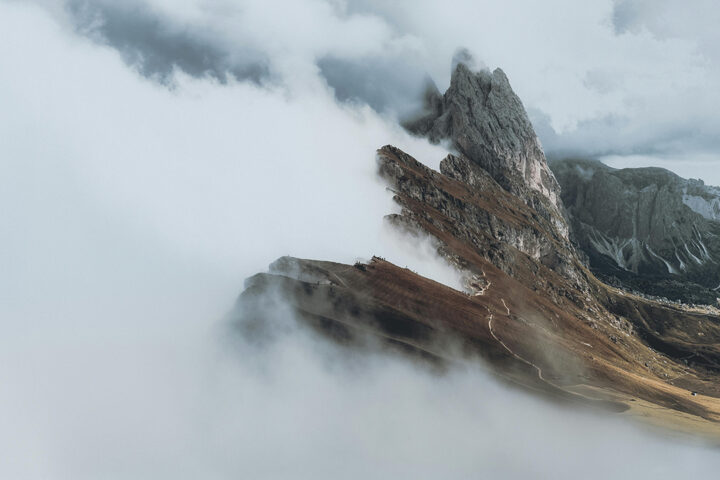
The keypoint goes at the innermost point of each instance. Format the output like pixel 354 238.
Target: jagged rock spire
pixel 485 121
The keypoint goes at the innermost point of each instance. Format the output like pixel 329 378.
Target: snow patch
pixel 627 253
pixel 672 270
pixel 683 267
pixel 709 209
pixel 697 260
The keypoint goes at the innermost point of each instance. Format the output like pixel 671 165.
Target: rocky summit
pixel 534 313
pixel 485 121
pixel 645 229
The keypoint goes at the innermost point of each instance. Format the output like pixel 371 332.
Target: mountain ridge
pixel 531 309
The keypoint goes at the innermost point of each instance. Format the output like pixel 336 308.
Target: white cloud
pixel 230 173
pixel 133 214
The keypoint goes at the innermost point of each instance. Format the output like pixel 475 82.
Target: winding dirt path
pixel 539 370
pixel 505 305
pixel 527 362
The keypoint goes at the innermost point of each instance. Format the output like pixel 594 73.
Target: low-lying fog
pixel 132 214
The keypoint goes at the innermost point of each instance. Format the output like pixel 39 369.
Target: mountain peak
pixel 486 122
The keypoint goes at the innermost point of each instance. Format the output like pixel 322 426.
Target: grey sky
pixel 157 45
pixel 599 78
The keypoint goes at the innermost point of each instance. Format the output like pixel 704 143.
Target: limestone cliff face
pixel 647 227
pixel 486 122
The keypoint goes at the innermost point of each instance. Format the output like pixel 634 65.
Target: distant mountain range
pixel 645 228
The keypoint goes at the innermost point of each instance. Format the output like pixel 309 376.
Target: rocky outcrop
pixel 486 122
pixel 646 228
pixel 464 202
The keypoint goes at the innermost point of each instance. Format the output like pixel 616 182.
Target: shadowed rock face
pixel 486 122
pixel 645 227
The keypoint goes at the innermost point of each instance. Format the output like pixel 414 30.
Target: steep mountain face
pixel 646 228
pixel 468 195
pixel 486 122
pixel 531 310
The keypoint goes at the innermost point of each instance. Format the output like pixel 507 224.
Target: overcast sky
pixel 624 77
pixel 154 153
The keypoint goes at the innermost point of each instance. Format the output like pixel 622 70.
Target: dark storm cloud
pixel 626 16
pixel 621 135
pixel 385 84
pixel 156 46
